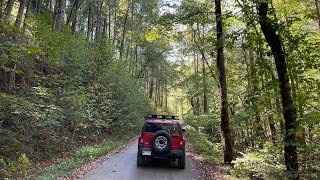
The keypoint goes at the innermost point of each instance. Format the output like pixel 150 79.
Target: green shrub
pixel 208 124
pixel 14 170
pixel 267 163
pixel 212 151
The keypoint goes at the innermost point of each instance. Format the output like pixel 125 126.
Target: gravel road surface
pixel 123 166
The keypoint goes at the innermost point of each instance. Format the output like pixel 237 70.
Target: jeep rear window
pixel 170 128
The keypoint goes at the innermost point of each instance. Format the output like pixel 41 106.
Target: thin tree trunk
pixel 74 22
pixel 318 11
pixel 196 72
pixel 98 25
pixel 136 57
pixel 8 11
pixel 73 12
pixel 289 110
pixel 225 127
pixel 90 24
pixel 253 72
pixel 131 30
pixel 1 6
pixel 52 7
pixel 39 4
pixel 278 107
pixel 109 20
pixel 151 87
pixel 205 90
pixel 115 23
pixel 204 78
pixel 272 124
pixel 26 16
pixel 124 31
pixel 166 95
pixel 20 14
pixel 59 15
pixel 105 25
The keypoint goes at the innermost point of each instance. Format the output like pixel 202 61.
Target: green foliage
pixel 83 155
pixel 212 151
pixel 62 92
pixel 207 124
pixel 14 170
pixel 266 163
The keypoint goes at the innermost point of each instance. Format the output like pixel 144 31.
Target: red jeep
pixel 161 137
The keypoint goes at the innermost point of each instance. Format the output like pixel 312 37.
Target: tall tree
pixel 289 110
pixel 317 11
pixel 73 12
pixel 115 27
pixel 27 15
pixel 124 30
pixel 1 5
pixel 20 14
pixel 59 14
pixel 8 10
pixel 225 126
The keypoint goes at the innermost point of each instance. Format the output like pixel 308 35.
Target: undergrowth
pixel 212 152
pixel 84 155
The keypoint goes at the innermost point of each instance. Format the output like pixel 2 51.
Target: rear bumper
pixel 170 154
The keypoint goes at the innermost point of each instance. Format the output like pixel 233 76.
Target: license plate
pixel 146 153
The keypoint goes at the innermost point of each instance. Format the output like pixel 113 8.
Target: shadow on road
pixel 162 164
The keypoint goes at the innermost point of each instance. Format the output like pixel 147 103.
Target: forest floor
pixel 208 171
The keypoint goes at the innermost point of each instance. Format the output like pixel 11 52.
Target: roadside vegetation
pixel 63 166
pixel 242 73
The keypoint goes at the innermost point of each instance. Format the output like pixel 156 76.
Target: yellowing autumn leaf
pixel 152 35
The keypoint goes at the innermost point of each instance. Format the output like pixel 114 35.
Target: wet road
pixel 123 166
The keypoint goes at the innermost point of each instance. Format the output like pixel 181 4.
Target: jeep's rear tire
pixel 161 142
pixel 182 159
pixel 140 160
pixel 182 162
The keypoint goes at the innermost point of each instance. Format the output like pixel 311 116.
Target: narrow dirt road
pixel 123 166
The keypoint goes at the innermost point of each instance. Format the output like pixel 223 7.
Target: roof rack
pixel 157 116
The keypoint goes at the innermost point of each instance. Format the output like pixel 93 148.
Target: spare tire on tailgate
pixel 161 142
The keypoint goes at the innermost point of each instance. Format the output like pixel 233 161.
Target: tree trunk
pixel 225 127
pixel 39 4
pixel 318 11
pixel 20 14
pixel 272 124
pixel 74 23
pixel 124 31
pixel 1 6
pixel 205 90
pixel 52 7
pixel 115 23
pixel 289 110
pixel 26 16
pixel 8 11
pixel 59 15
pixel 109 20
pixel 73 12
pixel 151 87
pixel 254 79
pixel 166 95
pixel 204 77
pixel 98 22
pixel 90 24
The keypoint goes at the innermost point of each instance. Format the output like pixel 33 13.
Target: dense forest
pixel 242 73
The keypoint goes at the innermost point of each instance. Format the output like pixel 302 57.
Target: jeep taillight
pixel 182 142
pixel 140 141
